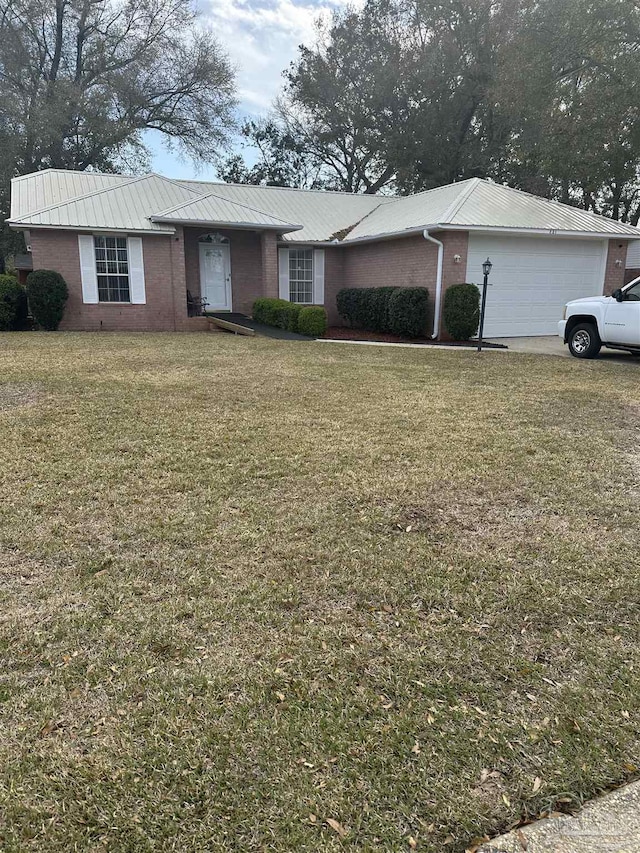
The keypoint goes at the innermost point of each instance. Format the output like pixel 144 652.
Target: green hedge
pixel 366 307
pixel 312 321
pixel 461 311
pixel 408 309
pixel 287 315
pixel 400 310
pixel 13 304
pixel 47 294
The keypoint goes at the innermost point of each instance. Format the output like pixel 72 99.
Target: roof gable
pixel 213 209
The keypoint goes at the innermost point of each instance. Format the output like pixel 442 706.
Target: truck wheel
pixel 584 341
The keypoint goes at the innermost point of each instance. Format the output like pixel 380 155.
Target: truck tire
pixel 584 341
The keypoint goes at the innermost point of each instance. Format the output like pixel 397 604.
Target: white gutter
pixel 436 310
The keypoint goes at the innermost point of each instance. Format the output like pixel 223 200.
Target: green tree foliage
pixel 412 94
pixel 82 80
pixel 281 159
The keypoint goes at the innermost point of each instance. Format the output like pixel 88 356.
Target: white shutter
pixel 318 276
pixel 88 268
pixel 136 271
pixel 283 273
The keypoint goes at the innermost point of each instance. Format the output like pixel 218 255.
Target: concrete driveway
pixel 552 345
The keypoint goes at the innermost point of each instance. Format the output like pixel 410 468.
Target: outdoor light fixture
pixel 457 259
pixel 486 269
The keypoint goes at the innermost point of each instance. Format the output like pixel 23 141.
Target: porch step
pixel 229 326
pixel 198 324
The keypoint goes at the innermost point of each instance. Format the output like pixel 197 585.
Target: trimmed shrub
pixel 265 310
pixel 408 307
pixel 47 294
pixel 380 297
pixel 287 316
pixel 13 304
pixel 461 311
pixel 350 303
pixel 276 312
pixel 312 321
pixel 366 307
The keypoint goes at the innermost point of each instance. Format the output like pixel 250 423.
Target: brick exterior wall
pixel 404 262
pixel 254 265
pixel 630 274
pixel 614 275
pixel 58 250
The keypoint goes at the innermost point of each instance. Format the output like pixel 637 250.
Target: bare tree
pixel 80 80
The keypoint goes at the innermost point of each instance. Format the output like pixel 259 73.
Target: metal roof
pixel 215 210
pixel 323 215
pixel 124 207
pixel 93 201
pixel 480 204
pixel 53 186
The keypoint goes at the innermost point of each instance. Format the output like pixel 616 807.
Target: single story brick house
pixel 137 251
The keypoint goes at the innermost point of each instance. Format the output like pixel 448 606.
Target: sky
pixel 261 38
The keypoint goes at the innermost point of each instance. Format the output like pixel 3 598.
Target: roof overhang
pixel 238 226
pixel 488 229
pixel 29 226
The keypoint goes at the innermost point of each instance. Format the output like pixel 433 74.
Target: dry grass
pixel 249 587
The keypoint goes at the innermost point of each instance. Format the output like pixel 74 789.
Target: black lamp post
pixel 486 269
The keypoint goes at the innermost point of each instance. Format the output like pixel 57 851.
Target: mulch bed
pixel 341 333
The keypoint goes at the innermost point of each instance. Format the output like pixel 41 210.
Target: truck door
pixel 622 319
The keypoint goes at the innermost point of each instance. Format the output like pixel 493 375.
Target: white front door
pixel 215 276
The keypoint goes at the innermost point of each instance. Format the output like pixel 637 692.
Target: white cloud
pixel 261 39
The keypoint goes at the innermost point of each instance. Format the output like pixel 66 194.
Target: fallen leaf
pixel 506 800
pixel 48 728
pixel 537 784
pixel 412 842
pixel 415 749
pixel 337 827
pixel 449 839
pixel 280 696
pixel 312 818
pixel 522 838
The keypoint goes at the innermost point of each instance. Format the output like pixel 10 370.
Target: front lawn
pixel 271 596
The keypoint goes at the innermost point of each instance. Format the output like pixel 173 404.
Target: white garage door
pixel 532 279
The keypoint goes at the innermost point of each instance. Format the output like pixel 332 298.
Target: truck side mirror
pixel 618 295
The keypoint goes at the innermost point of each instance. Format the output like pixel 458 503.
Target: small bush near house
pixel 351 302
pixel 408 307
pixel 13 304
pixel 380 297
pixel 312 321
pixel 264 310
pixel 47 294
pixel 276 312
pixel 461 311
pixel 287 316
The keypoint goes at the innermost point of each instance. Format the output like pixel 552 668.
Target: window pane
pixel 112 269
pixel 301 276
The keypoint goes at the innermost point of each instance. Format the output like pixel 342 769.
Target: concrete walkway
pixel 610 824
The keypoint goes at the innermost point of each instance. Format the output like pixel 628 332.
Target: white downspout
pixel 436 310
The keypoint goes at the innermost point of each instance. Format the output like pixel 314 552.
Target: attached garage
pixel 533 278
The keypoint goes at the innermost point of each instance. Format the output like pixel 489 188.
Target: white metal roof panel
pixel 124 207
pixel 323 215
pixel 53 186
pixel 409 213
pixel 497 206
pixel 214 210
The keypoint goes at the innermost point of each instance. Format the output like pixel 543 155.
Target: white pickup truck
pixel 603 321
